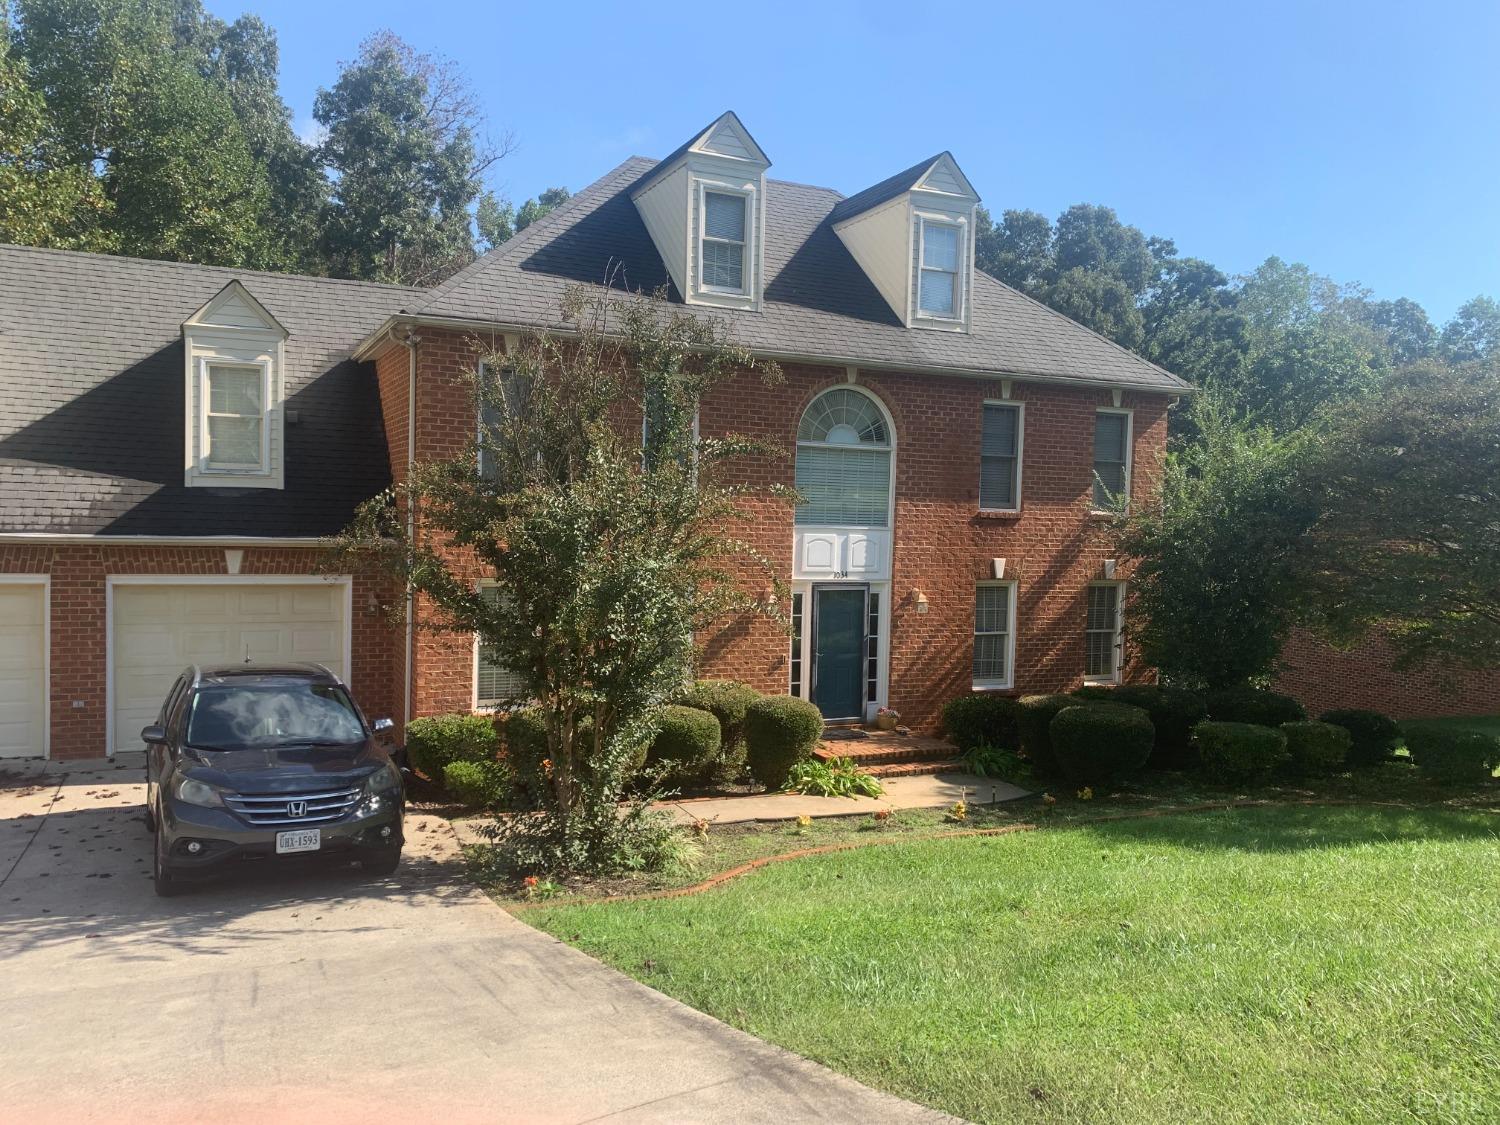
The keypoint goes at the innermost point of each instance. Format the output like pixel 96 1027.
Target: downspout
pixel 410 341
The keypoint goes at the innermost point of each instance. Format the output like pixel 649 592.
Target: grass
pixel 1272 964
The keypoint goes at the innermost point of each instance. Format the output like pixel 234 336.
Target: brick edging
pixel 1005 830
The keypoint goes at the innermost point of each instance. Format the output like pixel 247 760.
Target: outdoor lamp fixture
pixel 920 599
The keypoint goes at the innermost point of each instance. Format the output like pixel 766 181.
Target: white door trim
pixel 113 580
pixel 44 581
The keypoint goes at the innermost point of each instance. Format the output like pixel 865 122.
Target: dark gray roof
pixel 886 190
pixel 91 398
pixel 818 302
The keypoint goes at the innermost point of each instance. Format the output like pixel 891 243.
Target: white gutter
pixel 98 539
pixel 500 328
pixel 411 343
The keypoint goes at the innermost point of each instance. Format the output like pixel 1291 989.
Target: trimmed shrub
pixel 780 731
pixel 1034 718
pixel 1375 736
pixel 687 741
pixel 478 785
pixel 1174 713
pixel 1095 693
pixel 1239 752
pixel 728 702
pixel 1452 754
pixel 1316 749
pixel 1099 743
pixel 436 742
pixel 981 719
pixel 1254 705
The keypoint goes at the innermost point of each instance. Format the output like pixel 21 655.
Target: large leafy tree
pixel 402 142
pixel 608 557
pixel 498 219
pixel 1408 541
pixel 1474 331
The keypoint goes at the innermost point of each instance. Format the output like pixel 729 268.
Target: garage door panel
pixel 23 670
pixel 159 630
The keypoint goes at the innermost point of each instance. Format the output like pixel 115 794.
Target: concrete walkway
pixel 324 995
pixel 930 791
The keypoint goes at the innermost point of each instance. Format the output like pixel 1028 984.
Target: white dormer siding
pixel 712 251
pixel 234 360
pixel 915 241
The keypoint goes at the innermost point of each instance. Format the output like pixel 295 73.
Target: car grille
pixel 275 808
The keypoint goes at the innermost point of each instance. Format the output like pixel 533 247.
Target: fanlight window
pixel 844 462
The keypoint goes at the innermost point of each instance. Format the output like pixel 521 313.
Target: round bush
pixel 780 731
pixel 1254 705
pixel 1095 693
pixel 728 702
pixel 1452 754
pixel 1316 749
pixel 687 740
pixel 1239 752
pixel 1375 735
pixel 981 719
pixel 435 742
pixel 1174 713
pixel 1034 717
pixel 1099 743
pixel 478 785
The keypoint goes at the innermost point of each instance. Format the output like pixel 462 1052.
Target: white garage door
pixel 23 670
pixel 160 629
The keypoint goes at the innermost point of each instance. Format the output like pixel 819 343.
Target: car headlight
pixel 200 793
pixel 387 779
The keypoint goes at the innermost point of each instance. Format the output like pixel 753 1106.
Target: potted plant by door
pixel 887 718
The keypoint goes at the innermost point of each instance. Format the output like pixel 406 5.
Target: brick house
pixel 175 440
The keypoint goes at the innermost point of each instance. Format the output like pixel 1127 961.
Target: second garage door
pixel 159 629
pixel 23 669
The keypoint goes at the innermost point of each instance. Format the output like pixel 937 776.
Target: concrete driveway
pixel 326 995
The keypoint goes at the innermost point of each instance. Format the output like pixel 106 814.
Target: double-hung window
pixel 994 634
pixel 938 292
pixel 1000 458
pixel 1102 640
pixel 722 246
pixel 234 422
pixel 495 685
pixel 1111 458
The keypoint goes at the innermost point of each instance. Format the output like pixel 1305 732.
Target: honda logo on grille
pixel 296 808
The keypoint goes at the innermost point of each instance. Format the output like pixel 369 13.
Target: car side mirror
pixel 383 725
pixel 154 735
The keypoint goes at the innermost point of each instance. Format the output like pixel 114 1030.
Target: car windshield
pixel 255 716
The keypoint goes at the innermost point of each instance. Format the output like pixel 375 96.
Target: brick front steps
pixel 888 754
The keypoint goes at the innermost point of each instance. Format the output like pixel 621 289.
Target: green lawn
pixel 1275 964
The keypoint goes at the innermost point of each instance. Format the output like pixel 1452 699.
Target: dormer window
pixel 723 243
pixel 234 355
pixel 704 207
pixel 939 291
pixel 234 419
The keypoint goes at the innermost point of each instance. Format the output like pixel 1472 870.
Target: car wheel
pixel 161 878
pixel 383 865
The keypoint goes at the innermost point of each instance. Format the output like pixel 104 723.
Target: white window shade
pixel 235 417
pixel 998 456
pixel 937 285
pixel 723 242
pixel 844 487
pixel 495 685
pixel 992 630
pixel 1102 633
pixel 1111 457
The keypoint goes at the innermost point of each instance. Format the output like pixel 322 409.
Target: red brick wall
pixel 1323 678
pixel 942 546
pixel 78 669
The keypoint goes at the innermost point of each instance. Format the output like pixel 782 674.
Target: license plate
pixel 299 840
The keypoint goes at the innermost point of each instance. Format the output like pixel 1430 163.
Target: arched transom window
pixel 844 461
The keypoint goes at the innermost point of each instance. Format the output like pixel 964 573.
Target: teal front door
pixel 838 639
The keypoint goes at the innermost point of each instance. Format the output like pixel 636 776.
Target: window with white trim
pixel 723 241
pixel 939 276
pixel 495 685
pixel 843 462
pixel 994 634
pixel 236 411
pixel 1111 458
pixel 1102 634
pixel 1000 458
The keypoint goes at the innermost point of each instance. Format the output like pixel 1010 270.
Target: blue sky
pixel 1360 138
